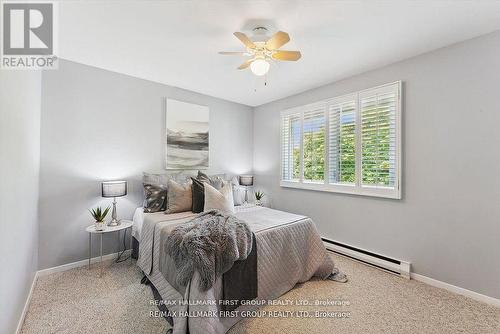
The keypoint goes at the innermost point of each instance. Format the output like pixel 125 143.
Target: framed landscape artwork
pixel 187 135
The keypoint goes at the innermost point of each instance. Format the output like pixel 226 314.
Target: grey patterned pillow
pixel 156 198
pixel 179 197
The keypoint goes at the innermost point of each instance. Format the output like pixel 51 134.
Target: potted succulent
pixel 99 215
pixel 258 198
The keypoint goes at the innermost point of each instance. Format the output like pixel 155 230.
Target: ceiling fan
pixel 262 49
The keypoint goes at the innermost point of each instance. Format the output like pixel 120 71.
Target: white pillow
pixel 219 199
pixel 239 195
pixel 238 191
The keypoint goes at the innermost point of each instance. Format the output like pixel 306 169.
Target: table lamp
pixel 247 181
pixel 114 189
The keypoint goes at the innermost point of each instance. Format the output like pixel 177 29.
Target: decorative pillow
pixel 162 178
pixel 179 197
pixel 219 199
pixel 183 176
pixel 234 180
pixel 198 195
pixel 238 191
pixel 215 181
pixel 239 195
pixel 156 198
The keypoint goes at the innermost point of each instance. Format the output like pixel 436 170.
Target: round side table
pixel 124 224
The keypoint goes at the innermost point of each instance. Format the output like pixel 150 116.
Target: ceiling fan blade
pixel 245 64
pixel 245 40
pixel 287 55
pixel 230 53
pixel 277 40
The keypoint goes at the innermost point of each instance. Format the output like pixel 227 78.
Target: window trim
pixel 357 188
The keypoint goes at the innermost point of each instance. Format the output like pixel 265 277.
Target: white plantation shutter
pixel 378 108
pixel 342 135
pixel 290 141
pixel 349 144
pixel 313 143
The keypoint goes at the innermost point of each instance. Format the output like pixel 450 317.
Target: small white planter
pixel 99 226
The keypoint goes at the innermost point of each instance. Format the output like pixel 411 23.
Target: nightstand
pixel 125 224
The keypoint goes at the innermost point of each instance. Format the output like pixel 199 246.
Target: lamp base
pixel 114 222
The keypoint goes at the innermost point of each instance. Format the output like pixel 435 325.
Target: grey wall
pixel 99 125
pixel 448 222
pixel 19 171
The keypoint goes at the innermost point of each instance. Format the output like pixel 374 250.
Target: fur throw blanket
pixel 209 244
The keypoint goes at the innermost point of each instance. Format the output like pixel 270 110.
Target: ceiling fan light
pixel 259 67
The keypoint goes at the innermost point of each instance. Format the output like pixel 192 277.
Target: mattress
pixel 139 216
pixel 289 251
pixel 138 222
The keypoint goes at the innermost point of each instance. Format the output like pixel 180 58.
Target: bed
pixel 289 251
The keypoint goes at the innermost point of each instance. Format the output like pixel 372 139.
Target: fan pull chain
pixel 257 81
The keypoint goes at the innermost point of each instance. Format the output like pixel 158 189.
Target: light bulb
pixel 259 67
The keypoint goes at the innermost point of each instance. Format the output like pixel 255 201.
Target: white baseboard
pixel 64 267
pixel 456 289
pixel 424 279
pixel 405 270
pixel 78 264
pixel 26 304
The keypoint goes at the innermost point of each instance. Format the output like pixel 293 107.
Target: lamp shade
pixel 246 180
pixel 259 67
pixel 114 188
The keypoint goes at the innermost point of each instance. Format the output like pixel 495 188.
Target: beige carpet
pixel 78 301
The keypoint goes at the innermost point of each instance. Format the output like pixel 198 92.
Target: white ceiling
pixel 176 42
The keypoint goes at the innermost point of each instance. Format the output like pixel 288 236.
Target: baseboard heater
pixel 393 266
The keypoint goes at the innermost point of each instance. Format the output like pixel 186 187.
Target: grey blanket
pixel 209 245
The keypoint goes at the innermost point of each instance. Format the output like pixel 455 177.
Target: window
pixel 290 146
pixel 342 150
pixel 378 137
pixel 313 143
pixel 349 144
